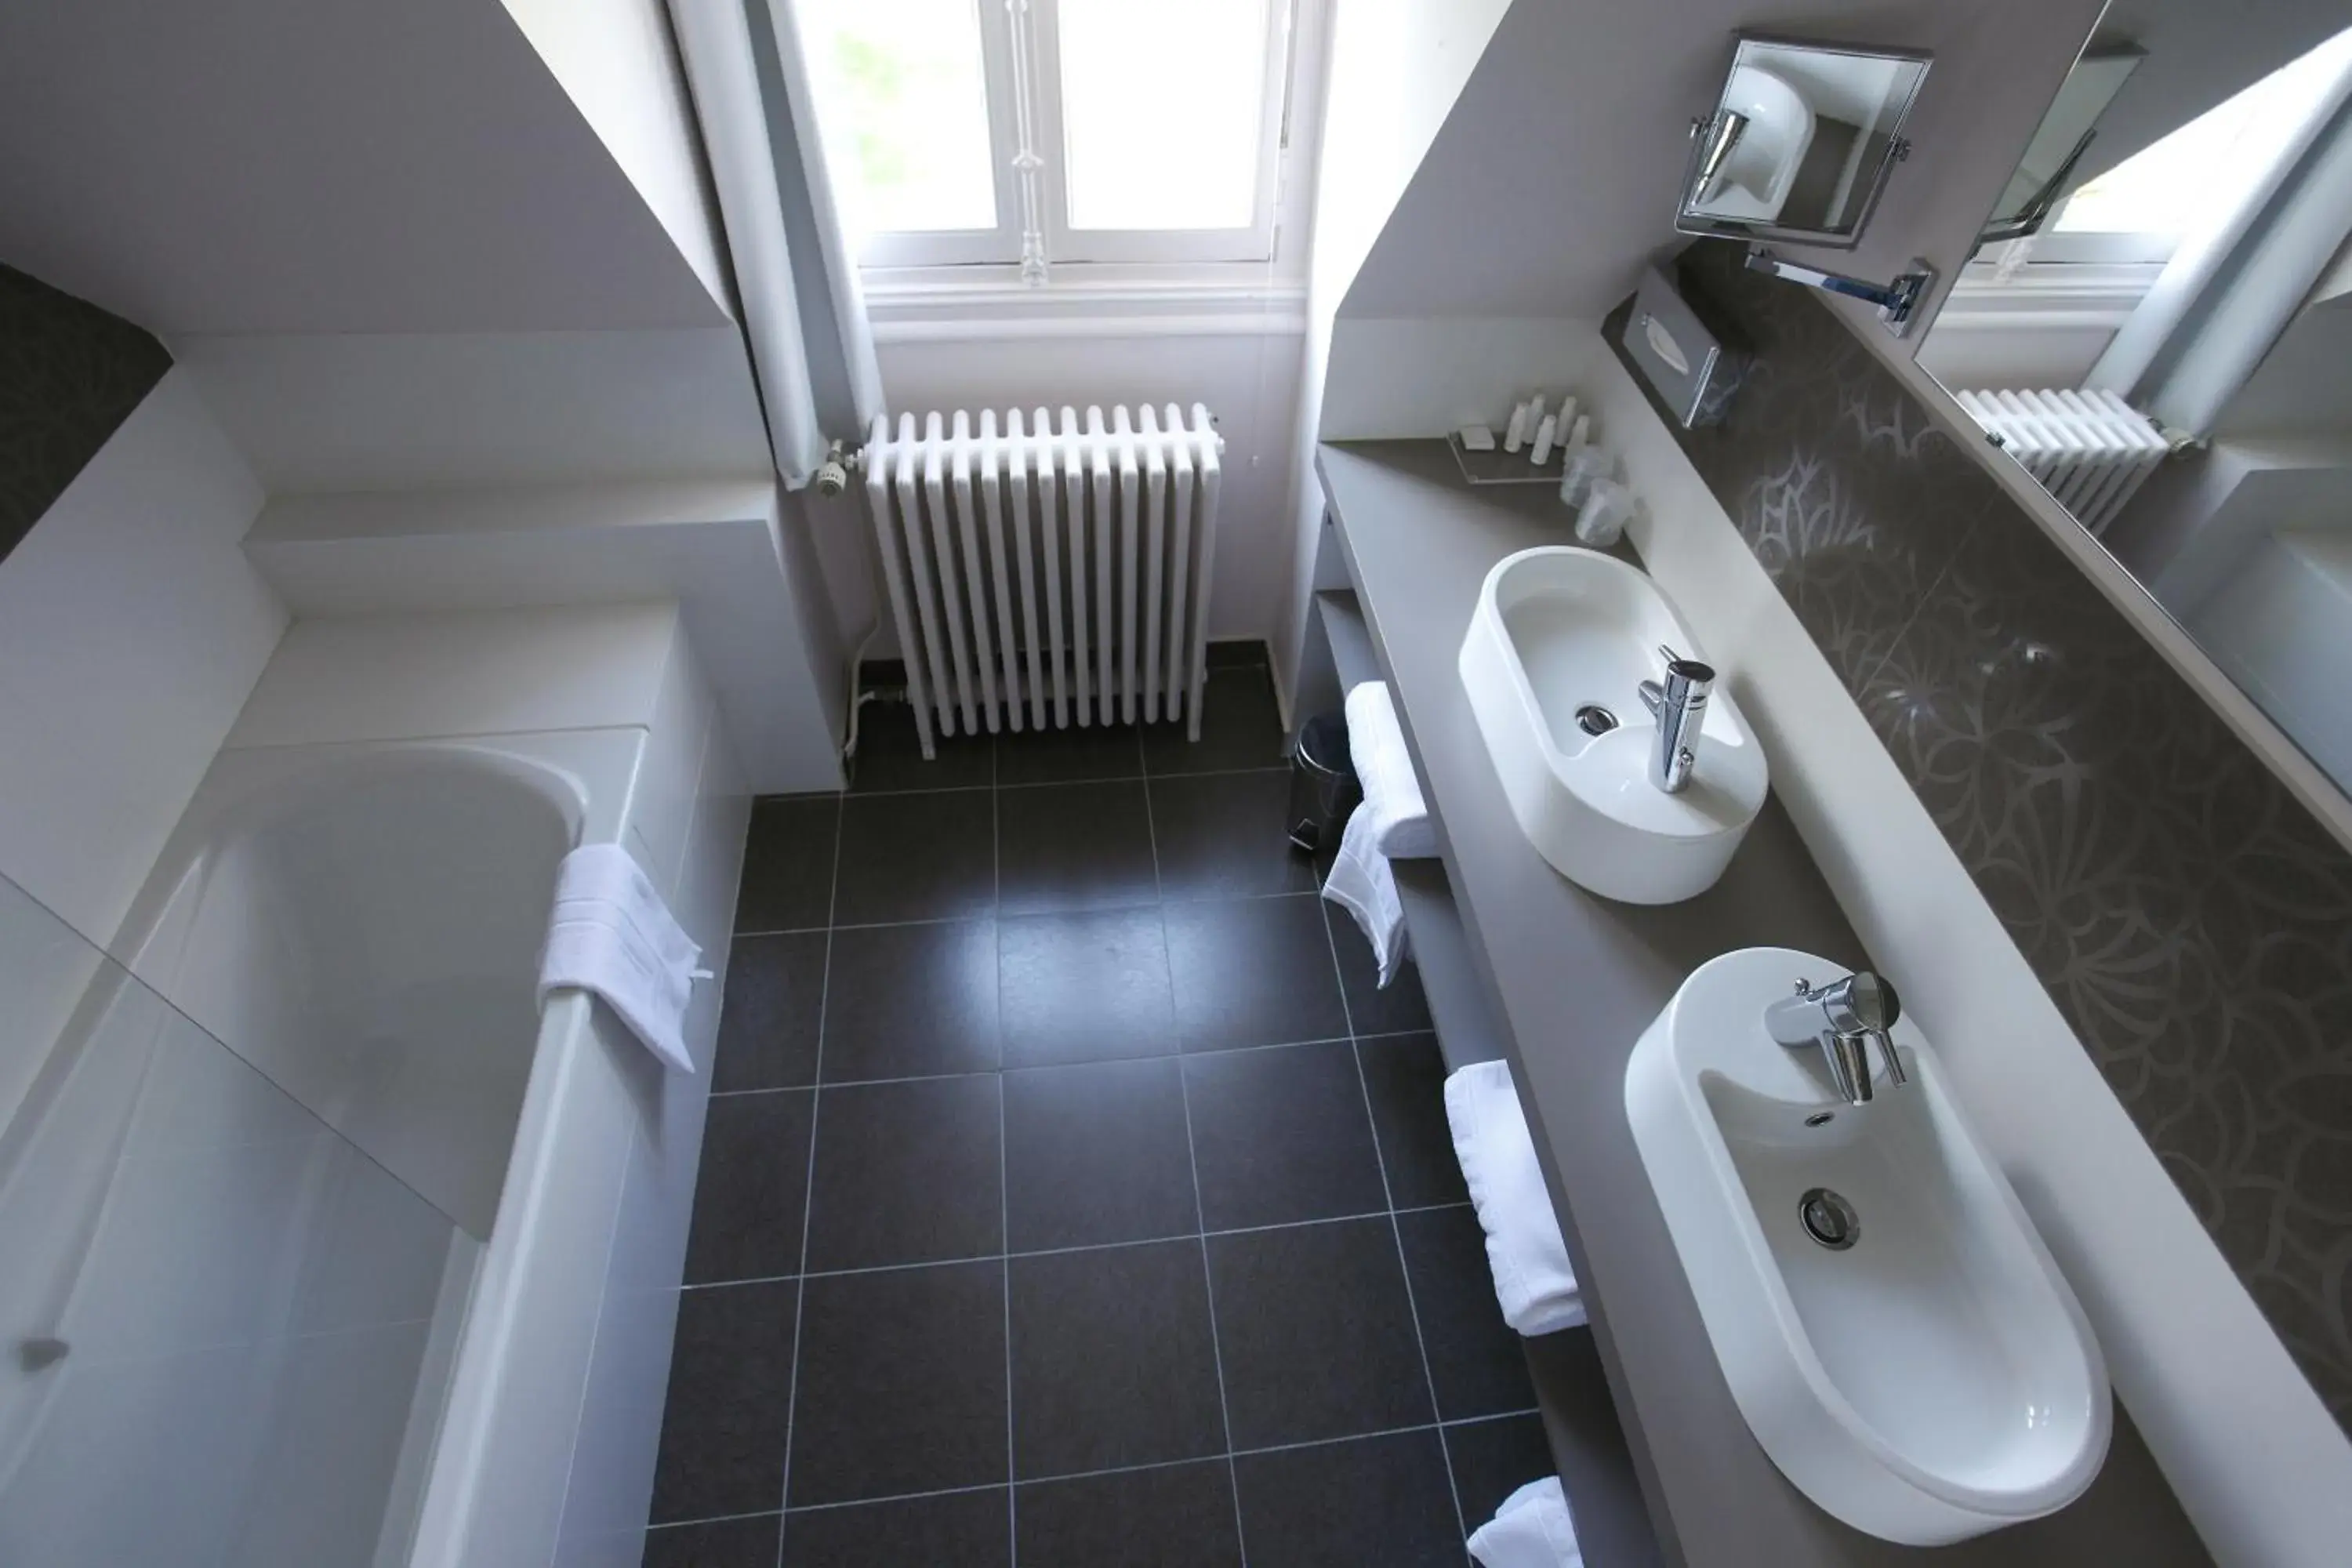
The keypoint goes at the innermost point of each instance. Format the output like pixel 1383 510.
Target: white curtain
pixel 811 349
pixel 2234 284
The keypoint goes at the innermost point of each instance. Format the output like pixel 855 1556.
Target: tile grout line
pixel 1003 1157
pixel 1396 1231
pixel 1050 1065
pixel 1200 1214
pixel 1072 1062
pixel 1002 914
pixel 808 1193
pixel 1081 1247
pixel 1142 1468
pixel 1063 782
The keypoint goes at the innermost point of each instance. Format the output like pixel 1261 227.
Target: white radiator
pixel 1040 576
pixel 2089 449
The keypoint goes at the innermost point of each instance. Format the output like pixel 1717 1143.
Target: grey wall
pixel 69 374
pixel 1553 180
pixel 2187 916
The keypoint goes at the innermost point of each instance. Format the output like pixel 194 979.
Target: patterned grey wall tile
pixel 69 374
pixel 2190 919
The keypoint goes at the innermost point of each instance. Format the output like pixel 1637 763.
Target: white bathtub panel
pixel 610 1488
pixel 662 806
pixel 496 1495
pixel 479 672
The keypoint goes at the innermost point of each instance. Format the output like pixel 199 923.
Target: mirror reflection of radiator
pixel 1044 573
pixel 2089 449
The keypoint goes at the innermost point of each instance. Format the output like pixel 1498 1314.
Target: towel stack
pixel 612 936
pixel 1531 1529
pixel 1391 823
pixel 1533 1280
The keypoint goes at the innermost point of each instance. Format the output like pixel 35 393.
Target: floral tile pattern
pixel 69 374
pixel 2191 921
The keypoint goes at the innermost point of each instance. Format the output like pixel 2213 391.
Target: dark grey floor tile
pixel 752 1197
pixel 719 1544
pixel 901 1383
pixel 1176 1516
pixel 1492 1459
pixel 788 863
pixel 722 1442
pixel 1085 987
pixel 1475 1359
pixel 1316 1334
pixel 768 1025
pixel 907 1173
pixel 1399 1008
pixel 1224 836
pixel 1068 755
pixel 1280 1136
pixel 1240 727
pixel 965 1530
pixel 917 857
pixel 1376 1499
pixel 904 1000
pixel 1252 972
pixel 1097 1153
pixel 890 754
pixel 1113 1359
pixel 1075 846
pixel 1406 1077
pixel 1228 653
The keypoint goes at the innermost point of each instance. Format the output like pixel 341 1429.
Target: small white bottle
pixel 1546 433
pixel 1515 435
pixel 1581 434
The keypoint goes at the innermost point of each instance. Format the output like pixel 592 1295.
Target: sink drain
pixel 1595 720
pixel 1829 1219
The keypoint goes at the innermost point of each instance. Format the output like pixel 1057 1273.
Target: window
pixel 1044 131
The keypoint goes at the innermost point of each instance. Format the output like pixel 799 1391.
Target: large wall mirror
pixel 2157 325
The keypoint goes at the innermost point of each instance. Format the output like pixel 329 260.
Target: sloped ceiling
pixel 320 166
pixel 1553 181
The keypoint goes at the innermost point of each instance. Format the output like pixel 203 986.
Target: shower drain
pixel 1829 1219
pixel 1595 720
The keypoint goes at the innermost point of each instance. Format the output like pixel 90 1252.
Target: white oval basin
pixel 1932 1380
pixel 1556 628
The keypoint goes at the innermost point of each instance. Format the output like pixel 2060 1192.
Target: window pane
pixel 1161 106
pixel 903 95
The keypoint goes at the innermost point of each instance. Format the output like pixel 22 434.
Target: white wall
pixel 1554 180
pixel 323 412
pixel 1393 70
pixel 2255 1458
pixel 131 629
pixel 326 166
pixel 620 64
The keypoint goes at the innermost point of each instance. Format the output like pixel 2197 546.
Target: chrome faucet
pixel 1843 1018
pixel 1679 705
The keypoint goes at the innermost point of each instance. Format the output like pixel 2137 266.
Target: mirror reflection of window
pixel 2138 210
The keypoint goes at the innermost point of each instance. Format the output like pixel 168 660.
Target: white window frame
pixel 1020 66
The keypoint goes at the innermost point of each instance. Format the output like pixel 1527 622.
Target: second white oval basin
pixel 1556 631
pixel 1926 1374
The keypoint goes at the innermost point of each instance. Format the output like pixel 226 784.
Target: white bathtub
pixel 359 920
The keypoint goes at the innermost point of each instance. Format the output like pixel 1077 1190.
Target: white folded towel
pixel 1361 883
pixel 1533 1281
pixel 611 934
pixel 1531 1529
pixel 1401 828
